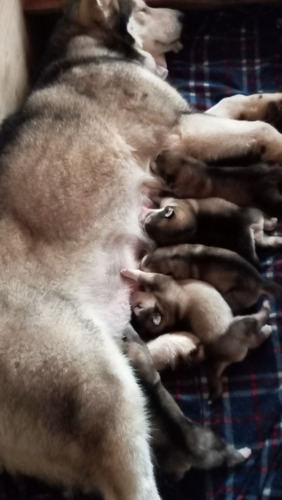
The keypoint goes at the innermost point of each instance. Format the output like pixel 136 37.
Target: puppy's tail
pixel 272 288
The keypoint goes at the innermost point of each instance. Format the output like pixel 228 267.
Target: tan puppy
pixel 213 222
pixel 163 306
pixel 237 281
pixel 257 185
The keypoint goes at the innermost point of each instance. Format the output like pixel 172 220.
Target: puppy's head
pixel 174 223
pixel 179 172
pixel 173 260
pixel 154 302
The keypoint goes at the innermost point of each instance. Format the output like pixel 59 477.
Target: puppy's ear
pixel 90 11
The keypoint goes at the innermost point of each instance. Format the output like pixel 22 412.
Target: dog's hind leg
pixel 127 472
pixel 239 336
pixel 265 107
pixel 244 333
pixel 73 412
pixel 208 137
pixel 270 225
pixel 214 374
pixel 265 240
pixel 171 349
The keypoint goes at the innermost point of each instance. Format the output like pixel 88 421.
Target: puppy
pixel 253 186
pixel 214 222
pixel 177 441
pixel 165 306
pixel 238 282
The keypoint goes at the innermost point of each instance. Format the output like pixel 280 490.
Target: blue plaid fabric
pixel 230 51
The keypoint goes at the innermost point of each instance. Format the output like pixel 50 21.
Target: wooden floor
pixel 14 54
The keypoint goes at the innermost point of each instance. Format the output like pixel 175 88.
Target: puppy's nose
pixel 137 309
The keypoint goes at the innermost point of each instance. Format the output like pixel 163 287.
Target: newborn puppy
pixel 211 221
pixel 165 306
pixel 238 282
pixel 256 185
pixel 178 443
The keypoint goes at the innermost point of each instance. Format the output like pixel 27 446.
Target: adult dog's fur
pixel 211 221
pixel 72 161
pixel 237 280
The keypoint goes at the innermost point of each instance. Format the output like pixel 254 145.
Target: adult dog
pixel 72 162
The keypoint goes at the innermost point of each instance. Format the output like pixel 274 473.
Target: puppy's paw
pixel 266 306
pixel 235 457
pixel 245 452
pixel 266 331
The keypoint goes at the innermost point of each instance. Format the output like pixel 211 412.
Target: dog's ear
pixel 90 11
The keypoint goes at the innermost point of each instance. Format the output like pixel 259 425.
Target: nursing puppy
pixel 256 185
pixel 177 441
pixel 213 222
pixel 72 163
pixel 161 305
pixel 238 282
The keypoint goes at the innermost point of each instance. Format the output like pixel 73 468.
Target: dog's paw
pixel 266 331
pixel 235 457
pixel 245 452
pixel 266 305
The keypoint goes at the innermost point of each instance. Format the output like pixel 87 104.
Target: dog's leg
pixel 265 107
pixel 242 329
pixel 208 137
pixel 262 239
pixel 170 349
pixel 78 416
pixel 270 225
pixel 214 374
pixel 256 339
pixel 244 333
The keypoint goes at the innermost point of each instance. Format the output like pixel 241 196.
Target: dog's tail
pixel 272 288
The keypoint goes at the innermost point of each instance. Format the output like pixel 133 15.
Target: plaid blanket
pixel 238 50
pixel 229 52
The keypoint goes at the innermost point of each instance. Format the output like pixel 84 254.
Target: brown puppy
pixel 237 281
pixel 253 186
pixel 164 306
pixel 178 443
pixel 213 222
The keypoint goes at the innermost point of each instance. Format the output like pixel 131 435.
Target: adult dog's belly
pixel 96 282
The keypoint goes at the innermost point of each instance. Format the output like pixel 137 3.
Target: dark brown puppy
pixel 213 222
pixel 178 443
pixel 253 186
pixel 164 306
pixel 237 281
